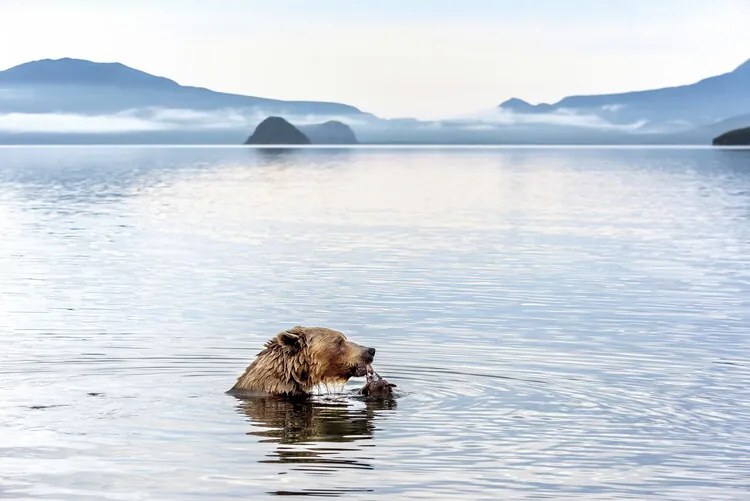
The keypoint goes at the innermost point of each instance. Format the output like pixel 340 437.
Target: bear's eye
pixel 340 342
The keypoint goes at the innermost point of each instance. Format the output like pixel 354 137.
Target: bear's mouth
pixel 360 370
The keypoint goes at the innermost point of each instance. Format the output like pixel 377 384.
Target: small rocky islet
pixel 736 137
pixel 279 131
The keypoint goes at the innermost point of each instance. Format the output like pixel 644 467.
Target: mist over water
pixel 561 323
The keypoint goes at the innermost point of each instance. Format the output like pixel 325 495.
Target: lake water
pixel 561 323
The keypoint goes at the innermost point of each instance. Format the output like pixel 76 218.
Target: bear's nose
pixel 371 352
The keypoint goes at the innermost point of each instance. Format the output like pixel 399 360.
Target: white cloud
pixel 498 116
pixel 147 119
pixel 70 123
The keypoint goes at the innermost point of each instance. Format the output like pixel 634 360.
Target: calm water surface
pixel 560 323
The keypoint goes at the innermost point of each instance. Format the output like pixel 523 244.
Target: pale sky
pixel 394 58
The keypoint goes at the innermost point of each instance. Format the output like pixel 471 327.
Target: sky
pixel 395 58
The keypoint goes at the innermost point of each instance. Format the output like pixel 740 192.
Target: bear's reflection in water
pixel 305 429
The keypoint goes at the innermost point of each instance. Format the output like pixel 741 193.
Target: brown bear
pixel 298 359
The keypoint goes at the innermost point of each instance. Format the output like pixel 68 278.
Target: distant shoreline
pixel 388 146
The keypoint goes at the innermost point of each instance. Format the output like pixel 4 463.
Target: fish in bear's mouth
pixel 360 370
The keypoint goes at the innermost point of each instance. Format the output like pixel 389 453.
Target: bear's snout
pixel 370 354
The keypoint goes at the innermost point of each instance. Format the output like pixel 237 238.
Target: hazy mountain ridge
pixel 81 72
pixel 80 86
pixel 668 109
pixel 78 101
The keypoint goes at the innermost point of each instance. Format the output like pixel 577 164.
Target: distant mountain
pixel 330 132
pixel 79 86
pixel 737 137
pixel 69 71
pixel 276 130
pixel 520 106
pixel 75 101
pixel 660 110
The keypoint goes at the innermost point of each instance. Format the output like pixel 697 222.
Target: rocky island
pixel 331 132
pixel 276 130
pixel 736 137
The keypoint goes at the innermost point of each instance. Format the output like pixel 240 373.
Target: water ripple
pixel 560 323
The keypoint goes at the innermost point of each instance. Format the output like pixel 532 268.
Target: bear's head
pixel 326 355
pixel 296 360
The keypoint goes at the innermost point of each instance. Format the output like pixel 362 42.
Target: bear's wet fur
pixel 296 360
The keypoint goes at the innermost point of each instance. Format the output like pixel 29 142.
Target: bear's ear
pixel 291 337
